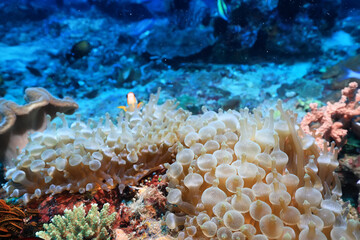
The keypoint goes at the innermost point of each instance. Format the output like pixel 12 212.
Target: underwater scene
pixel 180 119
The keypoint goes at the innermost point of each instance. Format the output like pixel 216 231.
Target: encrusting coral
pixel 18 120
pixel 232 175
pixel 75 224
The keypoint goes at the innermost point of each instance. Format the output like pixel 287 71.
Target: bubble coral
pixel 264 179
pixel 230 174
pixel 86 157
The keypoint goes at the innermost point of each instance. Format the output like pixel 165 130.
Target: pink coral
pixel 330 122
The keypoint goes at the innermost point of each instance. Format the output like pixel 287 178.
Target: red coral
pixel 52 205
pixel 330 122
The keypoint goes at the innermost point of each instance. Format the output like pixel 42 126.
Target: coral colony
pixel 334 117
pixel 76 224
pixel 235 174
pixel 255 135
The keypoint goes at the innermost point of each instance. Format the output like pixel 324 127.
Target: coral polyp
pixel 87 157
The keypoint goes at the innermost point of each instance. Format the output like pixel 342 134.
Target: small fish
pixel 132 103
pixel 34 71
pixel 349 74
pixel 352 74
pixel 223 9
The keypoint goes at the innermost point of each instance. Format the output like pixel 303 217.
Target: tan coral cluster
pixel 83 157
pixel 239 176
pixel 16 121
pixel 235 174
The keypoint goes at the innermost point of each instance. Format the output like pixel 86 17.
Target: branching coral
pixel 331 121
pixel 77 225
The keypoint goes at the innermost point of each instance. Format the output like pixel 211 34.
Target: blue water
pixel 134 45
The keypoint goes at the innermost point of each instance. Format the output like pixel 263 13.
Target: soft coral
pixel 333 118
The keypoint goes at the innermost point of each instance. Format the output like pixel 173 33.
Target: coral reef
pixel 16 221
pixel 240 175
pixel 183 173
pixel 86 157
pixel 330 122
pixel 141 218
pixel 11 220
pixel 233 174
pixel 139 209
pixel 17 121
pixel 76 224
pixel 52 205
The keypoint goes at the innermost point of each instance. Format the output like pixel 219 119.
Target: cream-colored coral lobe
pixel 17 121
pixel 81 156
pixel 242 175
pixel 232 175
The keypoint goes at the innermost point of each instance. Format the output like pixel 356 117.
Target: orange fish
pixel 132 103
